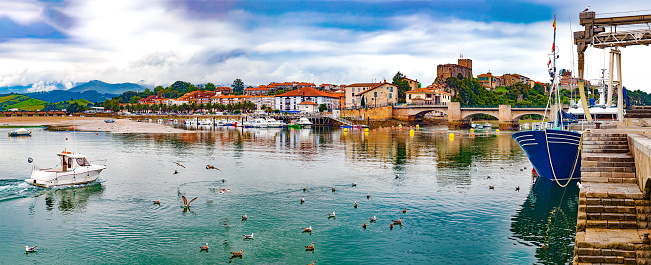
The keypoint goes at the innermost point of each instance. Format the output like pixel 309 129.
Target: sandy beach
pixel 92 124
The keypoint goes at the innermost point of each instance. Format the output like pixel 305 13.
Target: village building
pixel 413 84
pixel 260 90
pixel 445 71
pixel 154 99
pixel 510 79
pixel 431 95
pixel 488 80
pixel 289 101
pixel 351 101
pixel 307 107
pixel 380 95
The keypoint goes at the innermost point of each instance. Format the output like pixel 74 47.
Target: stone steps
pixel 607 169
pixel 606 157
pixel 606 147
pixel 611 246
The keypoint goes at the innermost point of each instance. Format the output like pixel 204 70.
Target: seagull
pixel 212 167
pixel 391 225
pixel 245 217
pixel 368 195
pixel 354 184
pixel 398 222
pixel 404 210
pixel 248 236
pixel 224 191
pixel 186 204
pixel 586 9
pixel 204 248
pixel 310 247
pixel 355 204
pixel 331 214
pixel 237 254
pixel 364 225
pixel 157 202
pixel 177 163
pixel 582 186
pixel 302 200
pixel 491 187
pixel 30 249
pixel 307 229
pixel 374 218
pixel 517 188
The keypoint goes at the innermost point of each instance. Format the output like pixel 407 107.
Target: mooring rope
pixel 576 160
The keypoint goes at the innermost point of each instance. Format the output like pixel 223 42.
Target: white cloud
pixel 128 41
pixel 23 12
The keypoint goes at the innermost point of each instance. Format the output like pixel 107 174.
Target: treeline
pixel 471 93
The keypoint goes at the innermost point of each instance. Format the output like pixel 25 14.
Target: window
pixel 390 94
pixel 375 94
pixel 409 96
pixel 390 89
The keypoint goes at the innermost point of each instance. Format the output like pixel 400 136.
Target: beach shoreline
pixel 93 124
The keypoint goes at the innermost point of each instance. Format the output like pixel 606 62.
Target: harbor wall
pixel 640 146
pixel 380 113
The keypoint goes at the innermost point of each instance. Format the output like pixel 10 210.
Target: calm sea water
pixel 452 215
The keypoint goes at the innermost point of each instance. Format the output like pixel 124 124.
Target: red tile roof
pixel 308 92
pixel 307 103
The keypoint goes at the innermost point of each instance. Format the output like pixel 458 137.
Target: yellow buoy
pixel 345 129
pixel 365 129
pixel 451 136
pixel 472 130
pixel 498 130
pixel 411 132
pixel 417 126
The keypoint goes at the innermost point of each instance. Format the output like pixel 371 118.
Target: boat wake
pixel 16 188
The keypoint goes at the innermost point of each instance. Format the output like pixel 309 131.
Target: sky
pixel 338 42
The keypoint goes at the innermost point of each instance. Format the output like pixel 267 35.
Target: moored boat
pixel 109 121
pixel 21 132
pixel 73 169
pixel 305 122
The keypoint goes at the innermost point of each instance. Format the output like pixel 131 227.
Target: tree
pixel 363 103
pixel 238 86
pixel 323 107
pixel 402 84
pixel 210 86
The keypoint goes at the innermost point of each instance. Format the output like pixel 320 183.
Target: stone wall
pixel 640 147
pixel 381 113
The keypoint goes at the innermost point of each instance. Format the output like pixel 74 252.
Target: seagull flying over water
pixel 186 204
pixel 30 249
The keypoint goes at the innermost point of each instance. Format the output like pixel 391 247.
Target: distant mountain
pixel 36 87
pixel 106 88
pixel 64 95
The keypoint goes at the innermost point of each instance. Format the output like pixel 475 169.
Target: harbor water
pixel 452 216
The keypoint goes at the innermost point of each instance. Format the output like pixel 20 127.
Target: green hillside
pixel 20 102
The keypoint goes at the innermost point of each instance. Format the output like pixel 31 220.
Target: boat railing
pixel 98 162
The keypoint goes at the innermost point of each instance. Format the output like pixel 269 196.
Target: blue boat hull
pixel 561 146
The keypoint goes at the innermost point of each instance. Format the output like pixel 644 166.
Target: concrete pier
pixel 614 209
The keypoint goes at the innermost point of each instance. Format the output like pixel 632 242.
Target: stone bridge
pixel 460 118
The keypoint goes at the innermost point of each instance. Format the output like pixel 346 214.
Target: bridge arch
pixel 519 115
pixel 422 113
pixel 467 115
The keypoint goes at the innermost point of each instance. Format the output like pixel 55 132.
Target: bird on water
pixel 355 204
pixel 204 248
pixel 310 247
pixel 237 254
pixel 307 229
pixel 398 222
pixel 332 214
pixel 374 218
pixel 245 217
pixel 30 249
pixel 157 202
pixel 248 236
pixel 364 225
pixel 186 204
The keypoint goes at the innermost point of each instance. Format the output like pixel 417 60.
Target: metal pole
pixel 620 88
pixel 610 78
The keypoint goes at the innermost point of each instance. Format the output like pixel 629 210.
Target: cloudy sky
pixel 159 42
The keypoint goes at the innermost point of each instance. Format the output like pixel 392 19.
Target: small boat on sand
pixel 109 121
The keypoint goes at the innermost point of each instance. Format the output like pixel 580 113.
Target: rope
pixel 576 160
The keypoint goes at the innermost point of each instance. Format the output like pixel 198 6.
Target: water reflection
pixel 70 199
pixel 548 220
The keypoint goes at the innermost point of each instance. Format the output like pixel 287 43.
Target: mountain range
pixel 93 91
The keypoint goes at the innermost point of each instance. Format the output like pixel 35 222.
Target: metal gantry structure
pixel 602 33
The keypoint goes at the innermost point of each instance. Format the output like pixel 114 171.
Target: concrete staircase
pixel 612 219
pixel 638 112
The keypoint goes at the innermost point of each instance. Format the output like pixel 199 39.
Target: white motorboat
pixel 21 132
pixel 476 126
pixel 73 169
pixel 205 122
pixel 259 123
pixel 273 123
pixel 487 125
pixel 305 122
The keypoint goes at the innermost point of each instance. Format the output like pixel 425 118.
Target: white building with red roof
pixel 307 107
pixel 289 101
